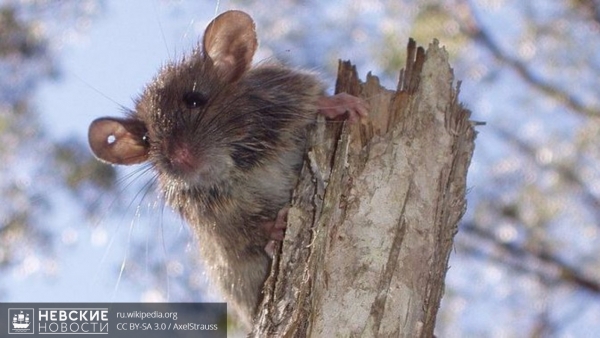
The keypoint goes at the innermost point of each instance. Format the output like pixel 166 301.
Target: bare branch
pixel 473 29
pixel 553 269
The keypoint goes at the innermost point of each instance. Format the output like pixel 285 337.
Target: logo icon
pixel 20 321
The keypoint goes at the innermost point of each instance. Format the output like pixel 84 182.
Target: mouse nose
pixel 182 158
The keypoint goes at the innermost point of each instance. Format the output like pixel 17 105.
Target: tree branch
pixel 474 31
pixel 563 271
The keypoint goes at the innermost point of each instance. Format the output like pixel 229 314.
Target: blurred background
pixel 527 256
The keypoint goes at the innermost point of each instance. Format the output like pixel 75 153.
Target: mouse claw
pixel 276 230
pixel 270 248
pixel 343 105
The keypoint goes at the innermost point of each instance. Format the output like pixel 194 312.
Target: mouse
pixel 226 140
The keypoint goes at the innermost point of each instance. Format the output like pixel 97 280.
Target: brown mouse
pixel 226 141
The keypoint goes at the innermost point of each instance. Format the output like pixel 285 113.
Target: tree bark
pixel 375 212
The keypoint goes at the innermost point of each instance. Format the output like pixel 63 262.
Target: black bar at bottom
pixel 114 320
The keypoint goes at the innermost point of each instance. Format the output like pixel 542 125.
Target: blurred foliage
pixel 527 260
pixel 17 38
pixel 34 168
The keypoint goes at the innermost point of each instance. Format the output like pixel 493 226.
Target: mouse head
pixel 179 119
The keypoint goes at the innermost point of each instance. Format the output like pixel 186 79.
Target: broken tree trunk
pixel 375 212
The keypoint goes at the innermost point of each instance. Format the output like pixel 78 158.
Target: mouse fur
pixel 227 141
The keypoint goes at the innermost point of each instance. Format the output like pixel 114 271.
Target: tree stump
pixel 375 211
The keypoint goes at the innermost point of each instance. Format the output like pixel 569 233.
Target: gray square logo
pixel 20 321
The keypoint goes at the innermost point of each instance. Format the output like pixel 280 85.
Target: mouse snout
pixel 182 158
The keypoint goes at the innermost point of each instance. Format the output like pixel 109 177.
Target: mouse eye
pixel 194 99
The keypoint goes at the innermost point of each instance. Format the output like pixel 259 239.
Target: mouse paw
pixel 275 230
pixel 343 105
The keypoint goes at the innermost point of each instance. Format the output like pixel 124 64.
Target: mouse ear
pixel 230 41
pixel 118 141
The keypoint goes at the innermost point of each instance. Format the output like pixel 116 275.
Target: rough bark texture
pixel 373 218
